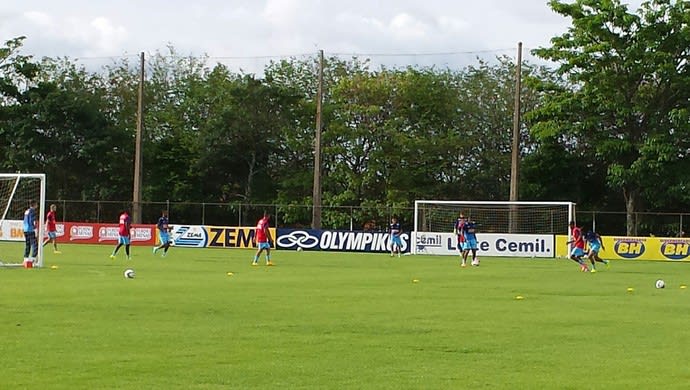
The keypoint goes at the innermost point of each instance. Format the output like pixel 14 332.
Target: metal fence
pixel 374 218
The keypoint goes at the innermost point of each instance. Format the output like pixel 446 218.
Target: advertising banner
pixel 232 237
pixel 488 244
pixel 336 240
pixel 97 233
pixel 637 248
pixel 12 230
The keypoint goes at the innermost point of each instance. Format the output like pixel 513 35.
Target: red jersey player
pixel 579 246
pixel 262 239
pixel 51 228
pixel 123 231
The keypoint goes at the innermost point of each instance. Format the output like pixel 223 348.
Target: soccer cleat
pixel 57 252
pixel 255 263
pixel 593 270
pixel 164 254
pixel 608 264
pixel 475 262
pixel 112 257
pixel 268 263
pixel 463 264
pixel 129 257
pixel 155 249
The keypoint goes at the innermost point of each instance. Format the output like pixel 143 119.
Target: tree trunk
pixel 632 197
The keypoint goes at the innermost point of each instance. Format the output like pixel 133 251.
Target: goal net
pixel 494 217
pixel 17 190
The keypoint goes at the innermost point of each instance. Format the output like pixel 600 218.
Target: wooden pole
pixel 138 165
pixel 316 210
pixel 515 157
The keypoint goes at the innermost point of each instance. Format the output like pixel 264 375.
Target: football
pixel 129 273
pixel 660 284
pixel 299 249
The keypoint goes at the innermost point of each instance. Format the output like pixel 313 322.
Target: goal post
pixel 16 191
pixel 523 219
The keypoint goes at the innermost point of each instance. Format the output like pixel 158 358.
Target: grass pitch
pixel 338 320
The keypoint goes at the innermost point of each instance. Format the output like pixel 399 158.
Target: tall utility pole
pixel 515 160
pixel 136 198
pixel 316 210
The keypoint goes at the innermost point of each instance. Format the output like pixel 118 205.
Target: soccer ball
pixel 299 249
pixel 129 273
pixel 660 284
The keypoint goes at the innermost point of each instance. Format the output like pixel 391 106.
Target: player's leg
pixel 268 255
pixel 576 256
pixel 27 246
pixel 257 254
pixel 34 245
pixel 53 238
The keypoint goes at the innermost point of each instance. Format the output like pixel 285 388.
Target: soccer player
pixel 52 228
pixel 469 231
pixel 395 231
pixel 459 231
pixel 579 248
pixel 30 225
pixel 595 245
pixel 163 233
pixel 125 225
pixel 262 239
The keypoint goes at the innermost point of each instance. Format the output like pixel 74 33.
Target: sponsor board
pixel 637 248
pixel 336 240
pixel 232 237
pixel 189 236
pixel 488 244
pixel 12 230
pixel 98 233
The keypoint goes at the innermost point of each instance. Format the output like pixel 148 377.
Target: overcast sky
pixel 98 28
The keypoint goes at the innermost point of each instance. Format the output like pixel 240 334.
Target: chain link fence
pixel 371 218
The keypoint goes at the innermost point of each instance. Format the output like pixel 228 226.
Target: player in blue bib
pixel 470 233
pixel 163 233
pixel 395 231
pixel 595 244
pixel 30 225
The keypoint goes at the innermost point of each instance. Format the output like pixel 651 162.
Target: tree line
pixel 607 126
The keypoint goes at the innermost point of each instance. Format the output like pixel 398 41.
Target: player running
pixel 458 229
pixel 51 228
pixel 595 245
pixel 163 233
pixel 262 240
pixel 579 246
pixel 395 232
pixel 124 226
pixel 470 232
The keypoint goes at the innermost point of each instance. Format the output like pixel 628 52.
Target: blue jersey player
pixel 470 233
pixel 395 231
pixel 31 244
pixel 163 233
pixel 595 244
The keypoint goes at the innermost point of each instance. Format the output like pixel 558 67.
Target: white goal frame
pixel 460 203
pixel 40 232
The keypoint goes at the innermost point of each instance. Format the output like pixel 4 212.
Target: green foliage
pixel 628 86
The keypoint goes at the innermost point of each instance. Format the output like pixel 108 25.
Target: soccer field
pixel 338 320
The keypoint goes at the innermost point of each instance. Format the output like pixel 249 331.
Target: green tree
pixel 627 96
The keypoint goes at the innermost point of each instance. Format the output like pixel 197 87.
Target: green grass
pixel 328 320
